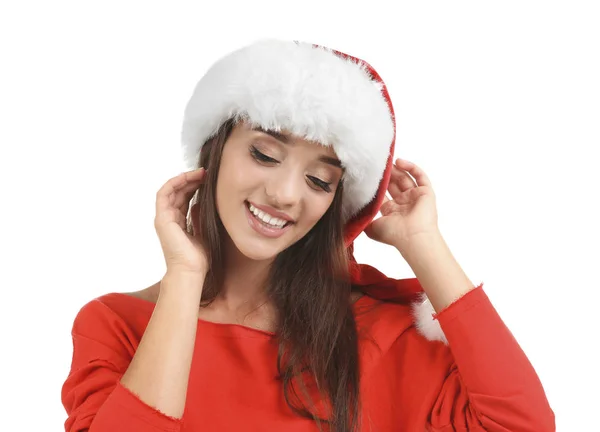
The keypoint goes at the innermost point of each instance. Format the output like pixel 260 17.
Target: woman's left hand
pixel 411 211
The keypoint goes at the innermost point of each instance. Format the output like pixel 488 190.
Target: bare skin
pixel 259 319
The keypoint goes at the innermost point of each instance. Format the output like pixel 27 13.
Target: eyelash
pixel 264 158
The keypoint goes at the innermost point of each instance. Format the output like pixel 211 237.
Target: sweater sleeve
pixel 93 396
pixel 481 381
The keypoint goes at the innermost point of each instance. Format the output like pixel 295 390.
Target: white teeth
pixel 276 222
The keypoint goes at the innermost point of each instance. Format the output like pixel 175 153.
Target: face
pixel 272 190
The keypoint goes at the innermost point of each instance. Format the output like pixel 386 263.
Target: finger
pixel 386 202
pixel 181 180
pixel 417 173
pixel 165 197
pixel 403 179
pixel 185 194
pixel 394 189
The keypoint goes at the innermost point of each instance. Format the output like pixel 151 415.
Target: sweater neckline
pixel 227 330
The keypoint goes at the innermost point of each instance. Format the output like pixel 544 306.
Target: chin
pixel 254 248
pixel 259 248
pixel 259 254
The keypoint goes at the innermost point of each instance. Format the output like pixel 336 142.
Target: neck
pixel 243 285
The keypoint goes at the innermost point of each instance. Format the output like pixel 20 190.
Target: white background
pixel 498 102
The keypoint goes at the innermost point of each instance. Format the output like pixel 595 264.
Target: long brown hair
pixel 309 286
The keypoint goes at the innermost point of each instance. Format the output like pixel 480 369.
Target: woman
pixel 263 320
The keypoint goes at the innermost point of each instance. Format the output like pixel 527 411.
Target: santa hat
pixel 311 92
pixel 319 94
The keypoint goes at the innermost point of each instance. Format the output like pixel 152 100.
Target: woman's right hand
pixel 183 252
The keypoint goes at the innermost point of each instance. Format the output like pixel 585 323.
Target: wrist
pixel 418 244
pixel 185 273
pixel 441 277
pixel 182 282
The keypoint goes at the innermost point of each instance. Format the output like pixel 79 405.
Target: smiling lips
pixel 266 224
pixel 266 218
pixel 270 211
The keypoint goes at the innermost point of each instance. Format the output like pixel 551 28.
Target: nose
pixel 283 189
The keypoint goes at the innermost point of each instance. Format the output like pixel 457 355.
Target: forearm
pixel 438 272
pixel 159 370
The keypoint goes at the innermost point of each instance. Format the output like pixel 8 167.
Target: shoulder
pixel 384 318
pixel 392 345
pixel 113 317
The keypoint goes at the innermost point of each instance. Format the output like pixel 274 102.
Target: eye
pixel 323 185
pixel 264 158
pixel 261 156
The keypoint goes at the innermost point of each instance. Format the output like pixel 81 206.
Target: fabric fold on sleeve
pixel 124 410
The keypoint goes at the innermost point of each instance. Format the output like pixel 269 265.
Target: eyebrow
pixel 285 138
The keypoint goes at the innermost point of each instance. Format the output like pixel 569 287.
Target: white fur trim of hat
pixel 308 91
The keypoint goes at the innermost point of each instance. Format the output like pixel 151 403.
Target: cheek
pixel 317 209
pixel 235 175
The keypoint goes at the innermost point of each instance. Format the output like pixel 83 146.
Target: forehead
pixel 285 137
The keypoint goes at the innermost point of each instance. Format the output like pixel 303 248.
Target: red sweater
pixel 480 381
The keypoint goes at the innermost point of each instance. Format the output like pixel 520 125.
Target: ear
pixel 195 216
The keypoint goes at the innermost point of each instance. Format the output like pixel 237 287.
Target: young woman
pixel 263 320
